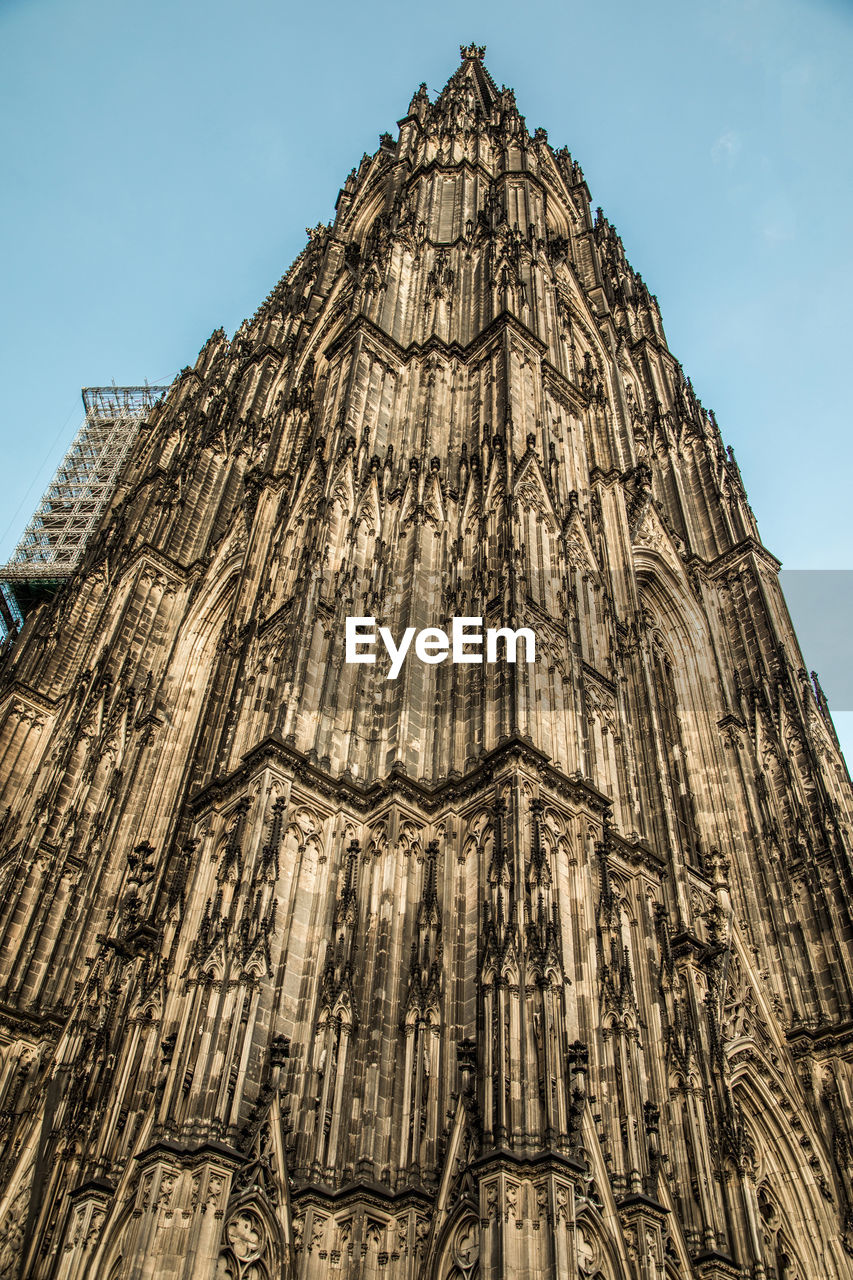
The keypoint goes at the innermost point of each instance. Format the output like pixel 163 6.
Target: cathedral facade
pixel 487 969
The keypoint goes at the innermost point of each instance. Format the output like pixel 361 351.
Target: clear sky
pixel 160 162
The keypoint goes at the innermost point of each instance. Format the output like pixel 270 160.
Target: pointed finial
pixel 472 52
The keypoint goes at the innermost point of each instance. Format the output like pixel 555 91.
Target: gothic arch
pixel 681 649
pixel 669 598
pixel 780 1256
pixel 457 1250
pixel 200 630
pixel 789 1178
pixel 108 1258
pixel 184 686
pixel 252 1245
pixel 336 316
pixel 670 712
pixel 340 506
pixel 13 1217
pixel 595 1254
pixel 369 207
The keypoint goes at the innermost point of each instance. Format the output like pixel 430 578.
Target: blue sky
pixel 161 161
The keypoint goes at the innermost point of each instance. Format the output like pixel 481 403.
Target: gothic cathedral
pixel 526 969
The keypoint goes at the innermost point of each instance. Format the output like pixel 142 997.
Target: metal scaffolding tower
pixel 53 542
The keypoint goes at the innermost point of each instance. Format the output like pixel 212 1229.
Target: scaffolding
pixel 53 542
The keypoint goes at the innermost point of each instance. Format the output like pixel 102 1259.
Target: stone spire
pixel 487 969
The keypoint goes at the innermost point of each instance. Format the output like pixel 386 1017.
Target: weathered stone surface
pixel 487 971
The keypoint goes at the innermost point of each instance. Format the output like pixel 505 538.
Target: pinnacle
pixel 471 76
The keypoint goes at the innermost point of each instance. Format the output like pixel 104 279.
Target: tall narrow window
pixel 676 780
pixel 446 210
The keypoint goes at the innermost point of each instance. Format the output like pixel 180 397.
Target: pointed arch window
pixel 676 781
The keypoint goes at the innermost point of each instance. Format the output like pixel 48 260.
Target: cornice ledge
pixel 270 480
pixel 161 561
pixel 826 1038
pixel 687 943
pixel 607 478
pixel 563 385
pixel 731 721
pixel 639 852
pixel 639 1203
pixel 343 789
pixel 740 551
pixel 18 689
pixel 716 1265
pixel 506 1158
pixel 598 677
pixel 651 340
pixel 190 1153
pixel 93 1187
pixel 256 356
pixel 39 1023
pixel 504 320
pixel 361 1189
